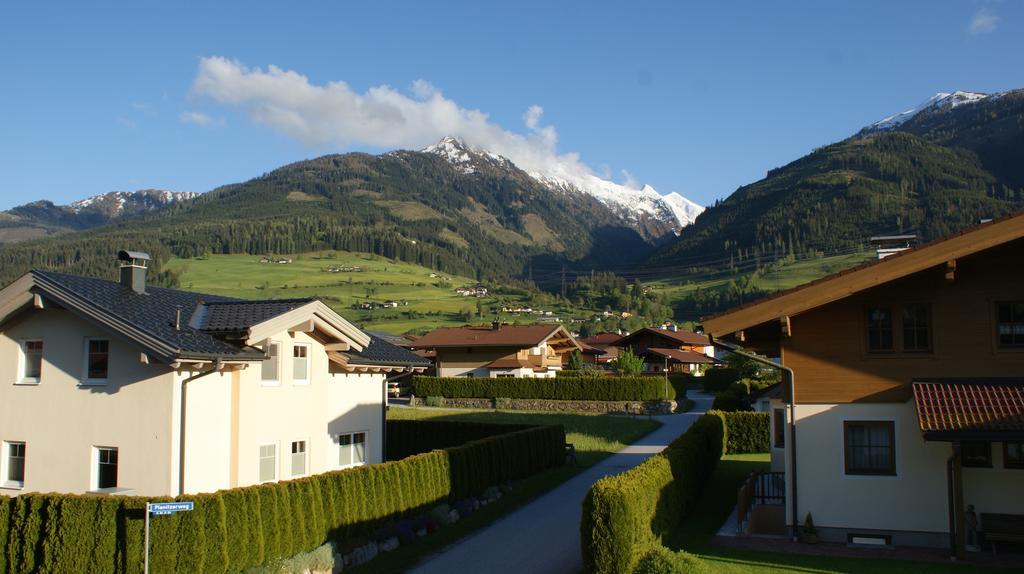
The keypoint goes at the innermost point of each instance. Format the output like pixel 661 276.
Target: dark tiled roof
pixel 390 337
pixel 982 409
pixel 381 352
pixel 602 339
pixel 229 316
pixel 680 337
pixel 506 336
pixel 153 313
pixel 681 356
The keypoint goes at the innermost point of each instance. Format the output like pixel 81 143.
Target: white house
pixel 120 387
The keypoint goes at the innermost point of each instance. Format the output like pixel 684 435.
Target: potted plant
pixel 809 531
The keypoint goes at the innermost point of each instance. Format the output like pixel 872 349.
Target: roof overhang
pixel 313 316
pixel 952 410
pixel 792 302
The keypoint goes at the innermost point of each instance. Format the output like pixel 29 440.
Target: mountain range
pixel 935 168
pixel 930 171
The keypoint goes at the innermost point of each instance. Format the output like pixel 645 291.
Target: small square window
pixel 106 467
pixel 1010 324
pixel 976 454
pixel 1013 454
pixel 271 365
pixel 300 364
pixel 351 449
pixel 917 334
pixel 870 447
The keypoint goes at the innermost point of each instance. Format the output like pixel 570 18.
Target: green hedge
pixel 625 516
pixel 635 388
pixel 745 432
pixel 408 437
pixel 232 530
pixel 717 379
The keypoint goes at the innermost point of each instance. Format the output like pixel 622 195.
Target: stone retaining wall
pixel 616 407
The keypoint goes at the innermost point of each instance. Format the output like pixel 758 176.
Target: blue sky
pixel 693 98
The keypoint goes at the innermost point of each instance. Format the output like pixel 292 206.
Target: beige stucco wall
pixel 61 420
pixel 914 500
pixel 229 414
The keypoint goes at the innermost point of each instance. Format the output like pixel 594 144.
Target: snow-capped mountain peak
pixel 631 204
pixel 114 203
pixel 942 101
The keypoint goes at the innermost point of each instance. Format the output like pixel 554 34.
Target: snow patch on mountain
pixel 115 202
pixel 629 203
pixel 942 101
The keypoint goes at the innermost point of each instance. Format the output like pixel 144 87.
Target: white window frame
pixel 259 462
pixel 351 435
pixel 309 364
pixel 85 362
pixel 275 382
pixel 23 363
pixel 94 482
pixel 5 463
pixel 305 458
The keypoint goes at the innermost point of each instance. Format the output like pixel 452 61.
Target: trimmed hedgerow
pixel 745 432
pixel 630 388
pixel 233 530
pixel 718 379
pixel 625 515
pixel 408 437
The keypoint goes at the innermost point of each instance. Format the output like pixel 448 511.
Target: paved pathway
pixel 544 536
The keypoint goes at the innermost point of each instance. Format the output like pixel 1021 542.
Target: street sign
pixel 170 507
pixel 162 508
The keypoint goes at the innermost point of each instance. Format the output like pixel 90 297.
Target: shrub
pixel 679 382
pixel 408 437
pixel 719 378
pixel 661 560
pixel 746 432
pixel 627 363
pixel 627 514
pixel 636 388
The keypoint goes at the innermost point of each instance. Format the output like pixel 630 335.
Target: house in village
pixel 122 387
pixel 498 350
pixel 473 291
pixel 901 418
pixel 670 350
pixel 603 342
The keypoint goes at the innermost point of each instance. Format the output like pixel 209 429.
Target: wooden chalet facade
pixel 670 350
pixel 904 404
pixel 498 350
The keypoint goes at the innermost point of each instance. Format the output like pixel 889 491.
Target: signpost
pixel 162 508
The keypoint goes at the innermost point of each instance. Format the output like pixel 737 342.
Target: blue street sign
pixel 170 507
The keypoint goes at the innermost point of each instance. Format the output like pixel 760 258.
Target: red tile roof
pixel 509 363
pixel 602 339
pixel 681 356
pixel 982 409
pixel 680 337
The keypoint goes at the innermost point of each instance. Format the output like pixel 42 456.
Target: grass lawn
pixel 717 503
pixel 595 437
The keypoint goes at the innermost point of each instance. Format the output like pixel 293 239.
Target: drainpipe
pixel 951 503
pixel 790 377
pixel 181 431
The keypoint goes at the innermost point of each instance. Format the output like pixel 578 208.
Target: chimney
pixel 673 327
pixel 496 325
pixel 132 266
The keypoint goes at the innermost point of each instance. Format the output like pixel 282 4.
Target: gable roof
pixel 174 325
pixel 602 339
pixel 382 352
pixel 980 409
pixel 856 279
pixel 680 337
pixel 521 336
pixel 681 356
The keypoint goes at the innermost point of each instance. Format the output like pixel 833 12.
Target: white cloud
pixel 629 181
pixel 335 115
pixel 984 21
pixel 199 119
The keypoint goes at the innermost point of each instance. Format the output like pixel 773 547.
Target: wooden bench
pixel 1002 528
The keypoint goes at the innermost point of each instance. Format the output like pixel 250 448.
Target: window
pixel 505 376
pixel 97 361
pixel 106 467
pixel 300 365
pixel 32 361
pixel 271 364
pixel 14 473
pixel 1010 324
pixel 299 458
pixel 268 462
pixel 976 454
pixel 870 447
pixel 879 322
pixel 779 428
pixel 917 328
pixel 1013 454
pixel 351 449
